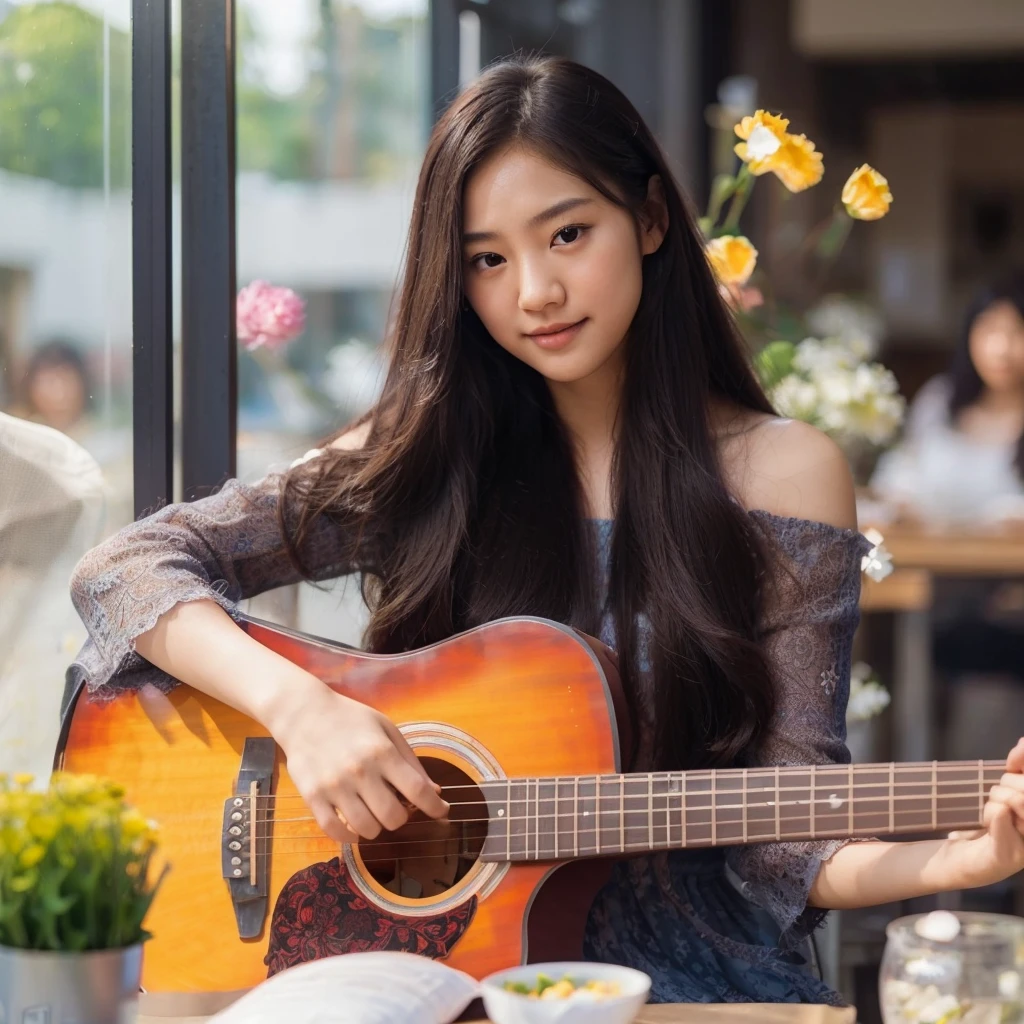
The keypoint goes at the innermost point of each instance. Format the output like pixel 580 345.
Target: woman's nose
pixel 538 288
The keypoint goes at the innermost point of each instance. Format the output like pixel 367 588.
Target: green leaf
pixel 774 362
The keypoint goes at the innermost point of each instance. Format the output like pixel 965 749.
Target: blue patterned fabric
pixel 732 925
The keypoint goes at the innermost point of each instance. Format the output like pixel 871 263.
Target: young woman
pixel 570 429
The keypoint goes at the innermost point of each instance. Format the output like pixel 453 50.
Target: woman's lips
pixel 558 339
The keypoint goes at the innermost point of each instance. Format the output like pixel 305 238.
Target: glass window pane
pixel 332 118
pixel 65 337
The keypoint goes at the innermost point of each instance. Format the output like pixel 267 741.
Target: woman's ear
pixel 655 217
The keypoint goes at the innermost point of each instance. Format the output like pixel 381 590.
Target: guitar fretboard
pixel 591 816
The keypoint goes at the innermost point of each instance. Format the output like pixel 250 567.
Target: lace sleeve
pixel 810 615
pixel 224 548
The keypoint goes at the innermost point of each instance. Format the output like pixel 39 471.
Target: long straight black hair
pixel 464 505
pixel 967 385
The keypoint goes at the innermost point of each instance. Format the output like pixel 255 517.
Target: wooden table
pixel 681 1013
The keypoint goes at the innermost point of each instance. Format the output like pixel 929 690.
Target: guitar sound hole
pixel 425 858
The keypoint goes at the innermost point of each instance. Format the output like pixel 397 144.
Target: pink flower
pixel 268 315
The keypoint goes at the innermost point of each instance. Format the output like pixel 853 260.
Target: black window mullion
pixel 444 54
pixel 209 367
pixel 152 329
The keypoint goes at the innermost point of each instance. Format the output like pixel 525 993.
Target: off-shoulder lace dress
pixel 708 926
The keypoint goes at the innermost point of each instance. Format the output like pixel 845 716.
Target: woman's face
pixel 57 394
pixel 551 267
pixel 997 347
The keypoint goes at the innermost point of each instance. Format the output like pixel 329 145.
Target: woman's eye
pixel 570 234
pixel 488 260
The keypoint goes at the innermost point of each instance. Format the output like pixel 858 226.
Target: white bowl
pixel 504 1007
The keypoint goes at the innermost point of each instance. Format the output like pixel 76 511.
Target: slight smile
pixel 556 336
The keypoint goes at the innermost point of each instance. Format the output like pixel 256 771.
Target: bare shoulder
pixel 790 468
pixel 354 438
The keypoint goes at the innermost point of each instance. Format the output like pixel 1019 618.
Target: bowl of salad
pixel 565 993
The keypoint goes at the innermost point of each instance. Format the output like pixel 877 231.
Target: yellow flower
pixel 797 164
pixel 32 855
pixel 763 135
pixel 732 258
pixel 866 194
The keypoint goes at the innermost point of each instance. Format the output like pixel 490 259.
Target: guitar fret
pixel 622 813
pixel 935 796
pixel 892 797
pixel 849 797
pixel 714 811
pixel 558 821
pixel 682 809
pixel 650 810
pixel 508 821
pixel 744 805
pixel 576 817
pixel 814 777
pixel 778 819
pixel 981 790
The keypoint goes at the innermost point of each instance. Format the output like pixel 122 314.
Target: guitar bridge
pixel 245 836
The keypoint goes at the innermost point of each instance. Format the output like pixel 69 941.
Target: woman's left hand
pixel 996 851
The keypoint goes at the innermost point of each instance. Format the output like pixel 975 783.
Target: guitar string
pixel 689 811
pixel 613 846
pixel 992 774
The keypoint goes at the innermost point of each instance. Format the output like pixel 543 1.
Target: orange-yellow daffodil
pixel 768 146
pixel 762 135
pixel 732 258
pixel 866 194
pixel 797 164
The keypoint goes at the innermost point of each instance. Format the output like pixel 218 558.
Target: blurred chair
pixel 51 512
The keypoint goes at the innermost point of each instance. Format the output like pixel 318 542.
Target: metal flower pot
pixel 96 987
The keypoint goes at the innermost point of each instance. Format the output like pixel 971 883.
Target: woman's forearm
pixel 199 644
pixel 869 873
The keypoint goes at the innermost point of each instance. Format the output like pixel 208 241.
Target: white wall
pixel 75 244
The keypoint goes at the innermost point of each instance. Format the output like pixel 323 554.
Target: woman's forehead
pixel 515 186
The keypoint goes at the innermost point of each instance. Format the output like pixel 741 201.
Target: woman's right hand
pixel 350 764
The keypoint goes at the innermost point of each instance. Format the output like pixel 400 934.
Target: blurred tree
pixel 51 95
pixel 358 112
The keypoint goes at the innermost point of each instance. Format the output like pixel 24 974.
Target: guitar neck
pixel 593 816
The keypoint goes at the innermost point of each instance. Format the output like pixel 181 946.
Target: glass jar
pixel 973 977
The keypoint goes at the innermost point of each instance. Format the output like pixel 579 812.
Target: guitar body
pixel 511 698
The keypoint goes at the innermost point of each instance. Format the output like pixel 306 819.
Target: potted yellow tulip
pixel 75 886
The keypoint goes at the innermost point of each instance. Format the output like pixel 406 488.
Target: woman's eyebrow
pixel 563 206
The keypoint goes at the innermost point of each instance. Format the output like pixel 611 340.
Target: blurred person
pixel 57 391
pixel 962 454
pixel 51 505
pixel 962 462
pixel 56 388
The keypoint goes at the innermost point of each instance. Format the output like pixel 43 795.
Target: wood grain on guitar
pixel 516 720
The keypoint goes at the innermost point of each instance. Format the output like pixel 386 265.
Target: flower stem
pixel 722 187
pixel 744 186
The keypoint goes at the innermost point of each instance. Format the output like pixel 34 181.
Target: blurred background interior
pixel 329 104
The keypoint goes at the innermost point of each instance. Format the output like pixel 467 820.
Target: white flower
pixel 816 357
pixel 867 699
pixel 877 563
pixel 855 324
pixel 795 397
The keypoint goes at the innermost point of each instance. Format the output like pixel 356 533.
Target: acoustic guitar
pixel 519 721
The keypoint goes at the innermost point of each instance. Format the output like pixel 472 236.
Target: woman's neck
pixel 589 408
